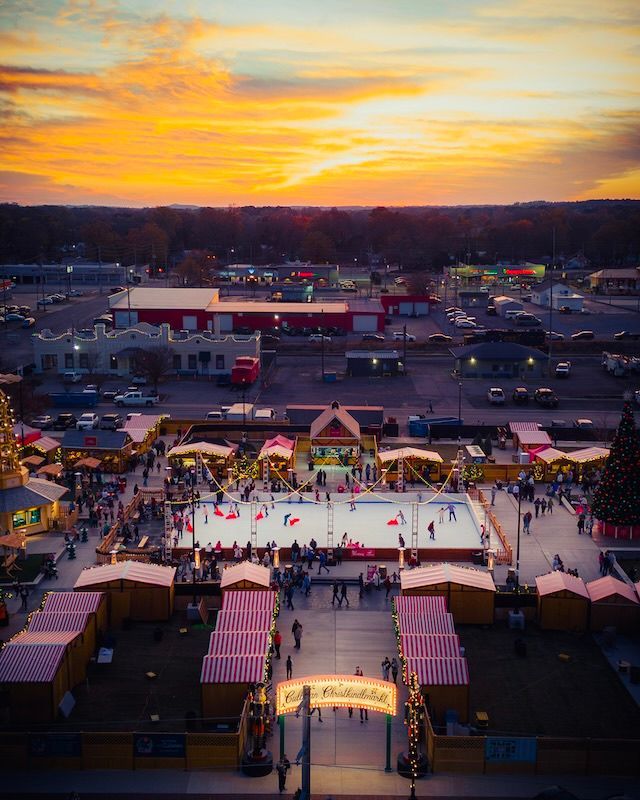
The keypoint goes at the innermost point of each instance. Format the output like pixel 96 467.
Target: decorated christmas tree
pixel 617 498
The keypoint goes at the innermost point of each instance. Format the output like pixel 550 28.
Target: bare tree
pixel 154 363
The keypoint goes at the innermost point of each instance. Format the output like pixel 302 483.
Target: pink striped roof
pixel 518 427
pixel 426 623
pixel 421 605
pixel 440 671
pixel 44 621
pixel 134 571
pixel 73 602
pixel 30 663
pixel 237 643
pixel 45 637
pixel 257 620
pixel 239 600
pixel 232 669
pixel 430 646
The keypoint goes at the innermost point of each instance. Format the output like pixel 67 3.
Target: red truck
pixel 245 371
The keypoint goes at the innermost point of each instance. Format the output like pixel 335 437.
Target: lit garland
pixel 412 709
pixel 243 469
pixel 396 630
pixel 473 472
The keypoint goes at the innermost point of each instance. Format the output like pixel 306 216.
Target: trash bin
pixel 477 558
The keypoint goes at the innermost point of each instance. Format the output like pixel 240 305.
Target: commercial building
pixel 71 272
pixel 373 364
pixel 202 310
pixel 497 273
pixel 504 304
pixel 114 353
pixel 557 295
pixel 615 281
pixel 499 360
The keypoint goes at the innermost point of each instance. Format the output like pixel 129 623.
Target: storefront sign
pixel 159 745
pixel 502 748
pixel 327 691
pixel 362 552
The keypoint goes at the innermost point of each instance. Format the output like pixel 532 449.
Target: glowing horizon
pixel 367 103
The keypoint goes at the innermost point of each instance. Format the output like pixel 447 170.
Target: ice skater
pixel 352 503
pixel 441 511
pixel 206 515
pixel 432 530
pixel 286 519
pixel 452 512
pixel 400 516
pixel 265 509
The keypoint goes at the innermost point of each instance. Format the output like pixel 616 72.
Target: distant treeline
pixel 605 232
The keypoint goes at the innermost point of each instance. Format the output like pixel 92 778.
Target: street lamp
pixel 129 282
pixel 192 474
pixel 517 587
pixel 69 274
pixel 459 411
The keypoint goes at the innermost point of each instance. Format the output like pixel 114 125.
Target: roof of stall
pixel 410 452
pixel 246 571
pixel 135 571
pixel 446 573
pixel 560 581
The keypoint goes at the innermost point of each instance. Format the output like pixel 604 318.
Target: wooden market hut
pixel 528 436
pixel 613 604
pixel 551 460
pixel 420 604
pixel 68 623
pixel 258 619
pixel 135 590
pixel 112 448
pixel 436 624
pixel 469 593
pixel 217 457
pixel 36 678
pixel 144 429
pixel 46 447
pixel 68 604
pixel 225 681
pixel 245 576
pixel 277 457
pixel 563 602
pixel 410 464
pixel 429 645
pixel 334 437
pixel 76 651
pixel 239 643
pixel 587 458
pixel 445 684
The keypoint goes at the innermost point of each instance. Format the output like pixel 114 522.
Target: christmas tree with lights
pixel 616 501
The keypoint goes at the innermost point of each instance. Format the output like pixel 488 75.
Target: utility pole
pixel 553 261
pixel 306 743
pixel 404 347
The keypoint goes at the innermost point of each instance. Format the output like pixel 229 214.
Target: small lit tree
pixel 617 497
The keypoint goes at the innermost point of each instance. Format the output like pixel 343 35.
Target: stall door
pixel 421 309
pixel 406 309
pixel 365 323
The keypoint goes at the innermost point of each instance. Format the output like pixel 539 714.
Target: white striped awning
pixel 519 427
pixel 257 620
pixel 44 637
pixel 30 663
pixel 440 671
pixel 44 621
pixel 421 604
pixel 426 623
pixel 232 669
pixel 430 646
pixel 238 643
pixel 73 602
pixel 239 600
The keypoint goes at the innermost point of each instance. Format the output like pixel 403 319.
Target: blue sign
pixel 159 745
pixel 505 748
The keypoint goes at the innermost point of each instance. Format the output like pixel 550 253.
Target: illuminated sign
pixel 341 691
pixel 519 272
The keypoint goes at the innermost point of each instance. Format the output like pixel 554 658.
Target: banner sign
pixel 362 552
pixel 346 691
pixel 505 748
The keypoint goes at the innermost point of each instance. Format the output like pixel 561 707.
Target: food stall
pixel 410 464
pixel 614 604
pixel 563 602
pixel 216 457
pixel 144 429
pixel 277 457
pixel 334 437
pixel 445 684
pixel 469 593
pixel 112 448
pixel 225 681
pixel 245 576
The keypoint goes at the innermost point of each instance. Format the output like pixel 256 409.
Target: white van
pixel 212 416
pixel 512 313
pixel 72 377
pixel 264 414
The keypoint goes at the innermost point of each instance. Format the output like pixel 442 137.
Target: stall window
pixel 31 516
pixel 219 361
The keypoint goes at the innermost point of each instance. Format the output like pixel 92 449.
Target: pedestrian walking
pixel 494 492
pixel 526 521
pixel 452 512
pixel 580 524
pixel 335 597
pixel 387 586
pixel 343 594
pixel 296 630
pixel 289 666
pixel 282 767
pixel 313 711
pixel 394 669
pixel 385 667
pixel 277 642
pixel 322 557
pixel 549 506
pixel 536 504
pixel 289 596
pixel 360 585
pixel 601 562
pixel 24 596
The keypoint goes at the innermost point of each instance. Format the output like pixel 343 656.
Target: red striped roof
pixel 238 600
pixel 426 623
pixel 45 637
pixel 237 643
pixel 257 620
pixel 73 602
pixel 430 646
pixel 44 621
pixel 424 604
pixel 440 671
pixel 232 669
pixel 30 663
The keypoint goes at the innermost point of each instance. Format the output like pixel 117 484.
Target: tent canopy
pixel 558 581
pixel 33 461
pixel 519 427
pixel 602 588
pixel 58 621
pixel 14 540
pixel 246 571
pixel 139 426
pixel 239 643
pixel 51 469
pixel 588 454
pixel 430 645
pixel 446 573
pixel 46 444
pixel 526 438
pixel 258 619
pixel 134 571
pixel 550 454
pixel 278 446
pixel 410 452
pixel 423 623
pixel 89 463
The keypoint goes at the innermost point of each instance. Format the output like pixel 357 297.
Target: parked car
pixel 213 416
pixel 43 421
pixel 24 310
pixel 439 338
pixel 452 308
pixel 546 398
pixel 465 323
pixel 401 335
pixel 109 394
pixel 116 289
pixel 520 395
pixel 555 336
pixel 563 369
pixel 492 311
pixel 368 337
pixel 64 421
pixel 72 377
pixel 527 319
pixel 75 293
pixel 632 335
pixel 244 330
pixel 88 421
pixel 44 301
pixel 580 335
pixel 57 298
pixel 495 396
pixel 28 322
pixel 14 317
pixel 320 337
pixel 583 424
pixel 565 309
pixel 110 422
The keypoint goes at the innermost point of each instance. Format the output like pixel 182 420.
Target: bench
pixel 143 541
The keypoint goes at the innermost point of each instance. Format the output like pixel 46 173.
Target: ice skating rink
pixel 368 524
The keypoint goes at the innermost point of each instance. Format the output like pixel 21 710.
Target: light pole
pixel 129 280
pixel 69 274
pixel 517 587
pixel 459 411
pixel 192 474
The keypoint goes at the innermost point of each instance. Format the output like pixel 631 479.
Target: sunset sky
pixel 337 102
